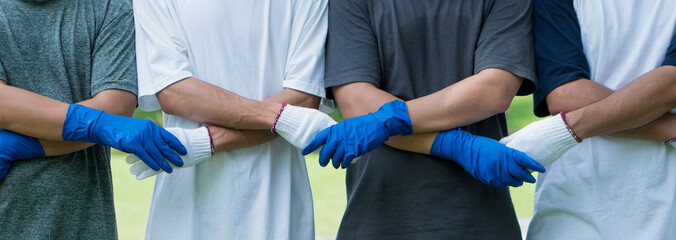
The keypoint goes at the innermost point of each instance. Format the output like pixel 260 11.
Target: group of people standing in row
pixel 423 86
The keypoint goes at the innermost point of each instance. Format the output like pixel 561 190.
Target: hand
pixel 299 125
pixel 544 140
pixel 140 137
pixel 356 136
pixel 485 159
pixel 197 141
pixel 14 146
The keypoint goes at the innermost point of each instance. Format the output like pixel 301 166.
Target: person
pixel 63 63
pixel 606 71
pixel 221 71
pixel 457 64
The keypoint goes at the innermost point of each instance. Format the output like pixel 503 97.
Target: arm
pixel 124 104
pixel 480 96
pixel 646 100
pixel 226 139
pixel 31 114
pixel 187 99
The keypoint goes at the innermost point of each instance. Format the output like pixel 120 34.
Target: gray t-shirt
pixel 411 49
pixel 68 50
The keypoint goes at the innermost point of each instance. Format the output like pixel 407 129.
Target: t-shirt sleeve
pixel 351 48
pixel 113 58
pixel 559 54
pixel 670 58
pixel 161 52
pixel 304 70
pixel 3 74
pixel 506 42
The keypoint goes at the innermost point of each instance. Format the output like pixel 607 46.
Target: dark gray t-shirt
pixel 68 50
pixel 411 49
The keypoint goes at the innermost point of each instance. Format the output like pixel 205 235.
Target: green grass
pixel 132 197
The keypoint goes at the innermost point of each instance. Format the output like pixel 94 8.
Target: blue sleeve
pixel 559 55
pixel 670 58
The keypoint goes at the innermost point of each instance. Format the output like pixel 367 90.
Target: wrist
pixel 279 113
pixel 570 130
pixel 211 141
pixel 79 123
pixel 394 117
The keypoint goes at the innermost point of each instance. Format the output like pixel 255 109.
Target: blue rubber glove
pixel 140 137
pixel 14 146
pixel 485 159
pixel 356 136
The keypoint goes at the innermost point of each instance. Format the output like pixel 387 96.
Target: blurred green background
pixel 132 197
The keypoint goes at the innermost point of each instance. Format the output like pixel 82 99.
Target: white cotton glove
pixel 196 141
pixel 299 125
pixel 545 140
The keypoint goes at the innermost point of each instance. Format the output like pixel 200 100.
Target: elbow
pixel 310 101
pixel 501 106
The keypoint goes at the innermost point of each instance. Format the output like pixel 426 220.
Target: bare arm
pixel 31 114
pixel 638 110
pixel 35 115
pixel 468 101
pixel 226 139
pixel 475 98
pixel 199 101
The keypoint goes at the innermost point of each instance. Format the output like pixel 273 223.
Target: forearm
pixel 31 114
pixel 633 111
pixel 116 102
pixel 202 102
pixel 362 98
pixel 472 99
pixel 231 139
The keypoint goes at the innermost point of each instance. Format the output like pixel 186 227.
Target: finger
pixel 138 168
pixel 326 152
pixel 510 180
pixel 504 168
pixel 172 141
pixel 158 158
pixel 527 162
pixel 348 159
pixel 520 173
pixel 170 155
pixel 338 156
pixel 146 174
pixel 319 140
pixel 131 159
pixel 148 160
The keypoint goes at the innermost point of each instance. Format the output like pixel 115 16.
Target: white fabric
pixel 544 140
pixel 609 187
pixel 197 141
pixel 300 125
pixel 255 49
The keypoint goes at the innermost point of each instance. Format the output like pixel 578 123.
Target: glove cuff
pixel 288 120
pixel 79 124
pixel 199 142
pixel 560 132
pixel 394 116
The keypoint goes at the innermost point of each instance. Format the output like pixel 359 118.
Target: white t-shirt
pixel 252 48
pixel 609 187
